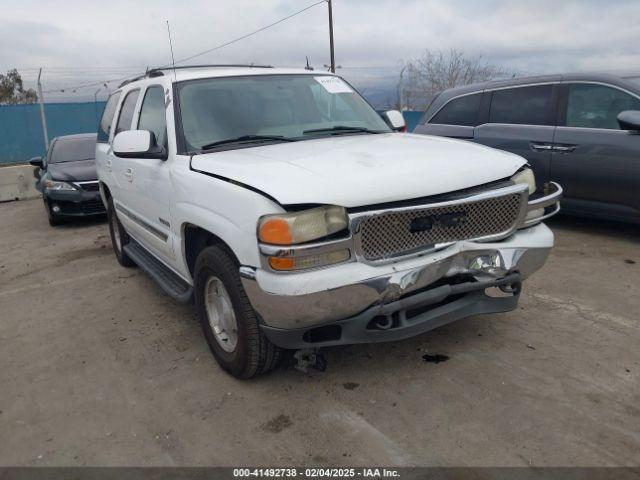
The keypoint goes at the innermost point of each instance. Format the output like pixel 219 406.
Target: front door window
pixel 597 106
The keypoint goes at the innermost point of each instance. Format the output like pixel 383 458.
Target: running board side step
pixel 170 282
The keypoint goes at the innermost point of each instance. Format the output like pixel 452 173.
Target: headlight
pixel 55 185
pixel 526 177
pixel 301 227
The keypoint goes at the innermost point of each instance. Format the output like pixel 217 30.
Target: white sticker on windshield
pixel 333 84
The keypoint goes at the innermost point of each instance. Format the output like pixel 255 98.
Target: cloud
pixel 93 40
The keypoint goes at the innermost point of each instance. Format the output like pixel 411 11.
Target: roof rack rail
pixel 129 80
pixel 158 71
pixel 218 65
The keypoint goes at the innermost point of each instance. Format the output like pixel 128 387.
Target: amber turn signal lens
pixel 309 261
pixel 281 263
pixel 276 231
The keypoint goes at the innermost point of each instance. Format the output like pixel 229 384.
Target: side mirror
pixel 137 144
pixel 629 120
pixel 395 120
pixel 36 162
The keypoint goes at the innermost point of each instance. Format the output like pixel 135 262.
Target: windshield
pixel 287 106
pixel 73 149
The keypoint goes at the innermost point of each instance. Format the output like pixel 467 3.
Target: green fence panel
pixel 21 130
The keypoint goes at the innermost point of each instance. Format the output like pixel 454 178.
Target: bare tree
pixel 434 71
pixel 12 90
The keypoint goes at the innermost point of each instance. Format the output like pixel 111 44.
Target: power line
pixel 87 85
pixel 73 69
pixel 369 67
pixel 226 44
pixel 218 47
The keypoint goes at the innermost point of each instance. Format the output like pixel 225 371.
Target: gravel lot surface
pixel 99 367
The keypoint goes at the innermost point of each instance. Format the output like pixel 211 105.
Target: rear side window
pixel 126 111
pixel 152 113
pixel 597 106
pixel 460 111
pixel 525 105
pixel 107 118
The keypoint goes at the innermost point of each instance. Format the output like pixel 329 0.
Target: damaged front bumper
pixel 361 303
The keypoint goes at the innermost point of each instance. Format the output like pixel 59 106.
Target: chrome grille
pixel 89 186
pixel 395 233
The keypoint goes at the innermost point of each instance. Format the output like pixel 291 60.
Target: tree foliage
pixel 12 90
pixel 437 70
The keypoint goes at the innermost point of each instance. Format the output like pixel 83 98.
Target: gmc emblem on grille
pixel 425 224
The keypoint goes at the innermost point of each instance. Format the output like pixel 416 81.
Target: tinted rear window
pixel 152 113
pixel 460 111
pixel 72 150
pixel 107 118
pixel 525 105
pixel 126 111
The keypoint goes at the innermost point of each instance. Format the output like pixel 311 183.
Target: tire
pixel 252 353
pixel 119 237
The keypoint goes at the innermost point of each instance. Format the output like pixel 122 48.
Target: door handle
pixel 564 148
pixel 128 173
pixel 107 165
pixel 541 147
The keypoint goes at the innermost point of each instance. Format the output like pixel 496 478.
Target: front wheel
pixel 119 237
pixel 227 318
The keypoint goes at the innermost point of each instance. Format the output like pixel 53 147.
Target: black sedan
pixel 67 178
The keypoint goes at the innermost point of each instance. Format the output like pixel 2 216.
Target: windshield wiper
pixel 247 138
pixel 341 129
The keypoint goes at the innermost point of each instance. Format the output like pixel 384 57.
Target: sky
pixel 88 42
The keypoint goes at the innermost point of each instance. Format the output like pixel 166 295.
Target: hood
pixel 359 170
pixel 80 171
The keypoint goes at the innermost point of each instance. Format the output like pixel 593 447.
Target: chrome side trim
pixel 610 130
pixel 150 228
pixel 602 84
pixel 550 199
pixel 553 198
pixel 247 272
pixel 306 249
pixel 558 82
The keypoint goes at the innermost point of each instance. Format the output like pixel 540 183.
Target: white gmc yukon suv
pixel 296 217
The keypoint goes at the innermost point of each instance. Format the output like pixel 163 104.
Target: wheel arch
pixel 105 192
pixel 195 239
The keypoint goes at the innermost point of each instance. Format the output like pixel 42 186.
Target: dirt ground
pixel 99 367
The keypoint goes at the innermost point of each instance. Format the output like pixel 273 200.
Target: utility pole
pixel 333 58
pixel 43 118
pixel 401 89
